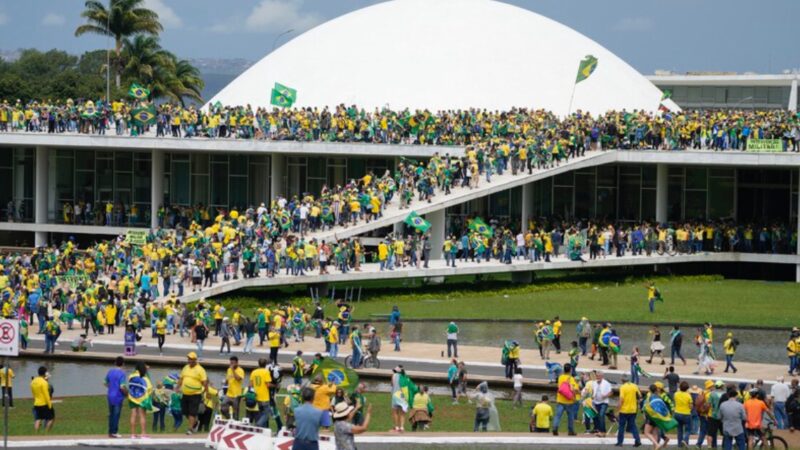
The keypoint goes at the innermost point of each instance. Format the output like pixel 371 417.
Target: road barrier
pixel 243 436
pixel 284 441
pixel 216 431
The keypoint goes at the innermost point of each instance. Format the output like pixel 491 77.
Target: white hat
pixel 341 410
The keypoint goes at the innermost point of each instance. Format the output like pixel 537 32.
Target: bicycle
pixel 768 440
pixel 667 246
pixel 367 362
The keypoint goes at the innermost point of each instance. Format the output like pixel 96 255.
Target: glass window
pixel 65 179
pixel 720 198
pixel 219 184
pixel 606 202
pixel 84 186
pixel 6 158
pixel 199 189
pixel 105 174
pixel 696 178
pixel 584 195
pixel 649 176
pixel 695 205
pixel 84 160
pixel 648 204
pixel 239 192
pixel 675 199
pixel 123 162
pixel 562 201
pixel 316 168
pixel 607 176
pixel 629 196
pixel 200 163
pixel 238 164
pixel 179 183
pixel 498 203
pixel 356 167
pixel 564 179
pixel 543 197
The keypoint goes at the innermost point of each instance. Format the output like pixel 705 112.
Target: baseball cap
pixel 192 355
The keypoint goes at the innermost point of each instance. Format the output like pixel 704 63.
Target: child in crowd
pixel 160 402
pixel 175 408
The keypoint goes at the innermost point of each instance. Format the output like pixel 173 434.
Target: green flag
pixel 416 222
pixel 138 92
pixel 666 94
pixel 284 220
pixel 283 96
pixel 479 226
pixel 586 67
pixel 335 372
pixel 405 395
pixel 145 115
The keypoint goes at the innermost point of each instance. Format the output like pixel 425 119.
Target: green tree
pixel 147 63
pixel 124 19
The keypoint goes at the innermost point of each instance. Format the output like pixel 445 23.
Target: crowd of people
pixel 707 129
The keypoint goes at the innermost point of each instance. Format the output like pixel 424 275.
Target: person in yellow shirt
pixel 7 384
pixel 111 316
pixel 629 396
pixel 333 339
pixel 193 383
pixel 322 393
pixel 274 338
pixel 234 376
pixel 42 403
pixel 541 416
pixel 730 345
pixel 161 331
pixel 261 381
pixel 683 412
pixel 566 400
pixel 557 334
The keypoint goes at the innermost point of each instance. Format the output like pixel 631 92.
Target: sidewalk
pixel 436 354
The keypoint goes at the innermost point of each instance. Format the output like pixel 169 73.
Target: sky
pixel 679 35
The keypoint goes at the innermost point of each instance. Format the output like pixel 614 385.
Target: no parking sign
pixel 9 337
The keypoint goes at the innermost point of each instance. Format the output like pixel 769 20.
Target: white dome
pixel 444 54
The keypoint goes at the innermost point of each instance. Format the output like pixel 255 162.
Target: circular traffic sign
pixel 7 333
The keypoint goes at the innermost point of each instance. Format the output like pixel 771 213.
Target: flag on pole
pixel 283 96
pixel 145 115
pixel 335 372
pixel 586 68
pixel 138 92
pixel 666 94
pixel 479 226
pixel 416 222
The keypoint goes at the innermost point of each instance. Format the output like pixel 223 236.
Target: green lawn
pixel 693 299
pixel 88 416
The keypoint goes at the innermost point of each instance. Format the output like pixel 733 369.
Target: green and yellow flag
pixel 479 226
pixel 335 372
pixel 665 94
pixel 138 92
pixel 145 115
pixel 586 68
pixel 283 96
pixel 416 222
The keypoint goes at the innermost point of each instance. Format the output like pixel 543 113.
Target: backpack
pixel 250 399
pixel 565 389
pixel 200 331
pixel 701 405
pixel 277 376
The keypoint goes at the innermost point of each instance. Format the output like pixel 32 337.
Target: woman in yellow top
pixel 683 412
pixel 566 400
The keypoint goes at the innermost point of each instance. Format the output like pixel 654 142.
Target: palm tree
pixel 125 19
pixel 186 83
pixel 161 71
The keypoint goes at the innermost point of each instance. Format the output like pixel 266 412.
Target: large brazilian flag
pixel 658 411
pixel 416 222
pixel 479 226
pixel 586 68
pixel 335 372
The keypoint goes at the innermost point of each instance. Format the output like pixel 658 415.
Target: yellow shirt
pixel 544 414
pixel 728 345
pixel 274 339
pixel 260 380
pixel 333 335
pixel 193 379
pixel 683 403
pixel 234 385
pixel 628 398
pixel 41 392
pixel 573 384
pixel 161 327
pixel 322 396
pixel 6 377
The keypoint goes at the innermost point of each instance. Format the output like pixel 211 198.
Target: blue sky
pixel 680 35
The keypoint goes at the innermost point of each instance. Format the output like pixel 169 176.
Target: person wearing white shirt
pixel 780 392
pixel 517 378
pixel 601 392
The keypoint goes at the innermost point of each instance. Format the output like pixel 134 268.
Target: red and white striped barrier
pixel 284 441
pixel 243 436
pixel 217 428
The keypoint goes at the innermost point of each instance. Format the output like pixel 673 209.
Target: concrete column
pixel 399 228
pixel 527 205
pixel 522 277
pixel 41 182
pixel 793 95
pixel 277 167
pixel 156 185
pixel 661 193
pixel 436 231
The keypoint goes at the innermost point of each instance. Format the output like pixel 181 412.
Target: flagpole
pixel 571 97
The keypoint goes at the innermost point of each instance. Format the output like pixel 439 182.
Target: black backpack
pixel 200 331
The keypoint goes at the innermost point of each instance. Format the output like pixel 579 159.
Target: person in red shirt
pixel 755 407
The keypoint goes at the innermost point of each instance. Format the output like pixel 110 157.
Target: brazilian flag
pixel 326 214
pixel 284 220
pixel 416 222
pixel 144 115
pixel 283 96
pixel 405 395
pixel 586 68
pixel 335 372
pixel 138 92
pixel 140 391
pixel 479 226
pixel 657 411
pixel 666 94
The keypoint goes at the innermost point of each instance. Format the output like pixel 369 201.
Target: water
pixel 757 345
